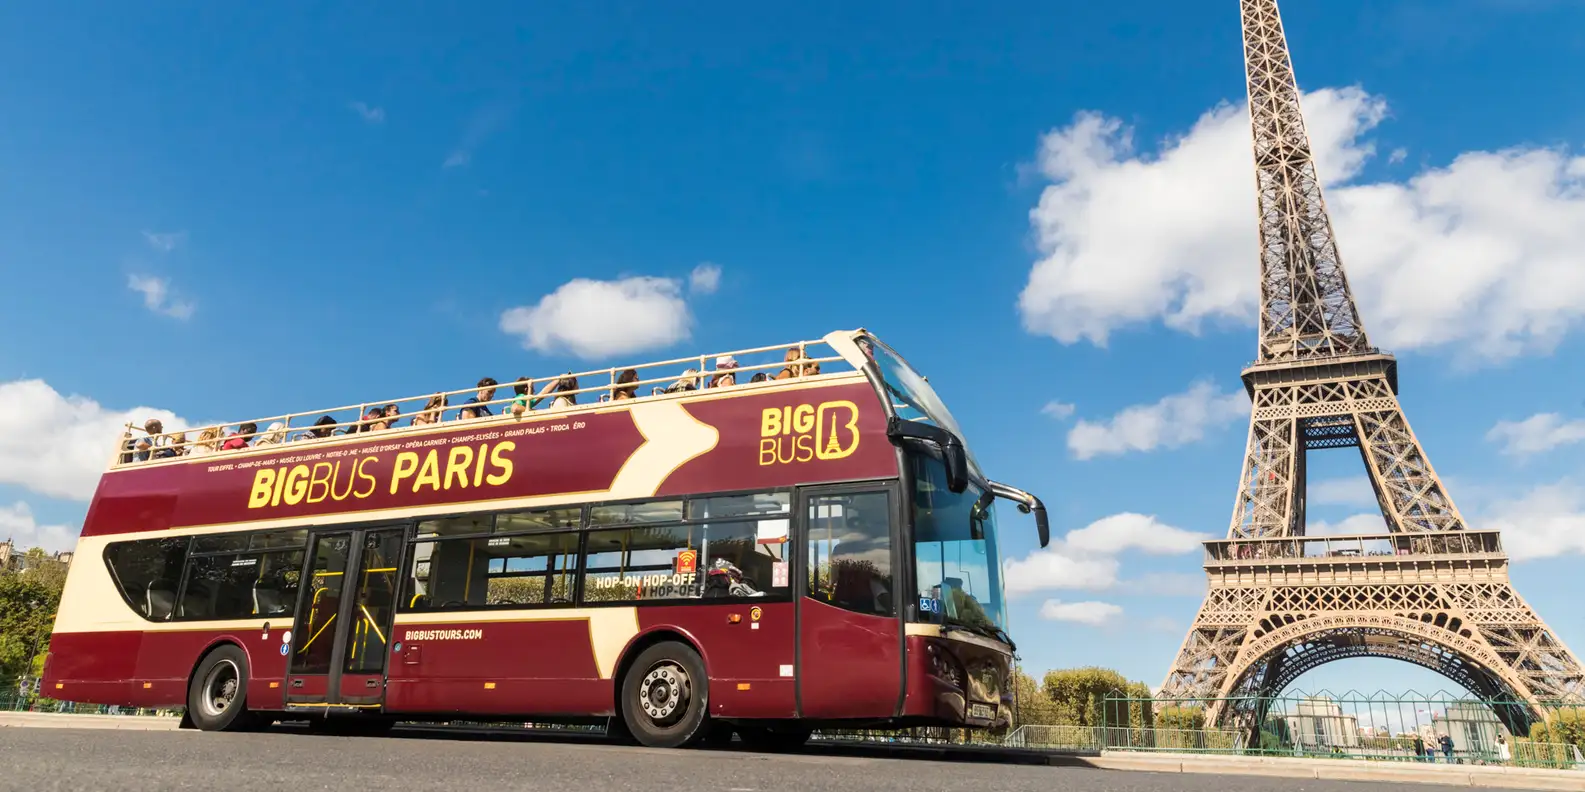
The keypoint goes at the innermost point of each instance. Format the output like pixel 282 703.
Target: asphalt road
pixel 111 761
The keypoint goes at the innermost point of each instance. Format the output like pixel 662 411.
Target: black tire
pixel 665 696
pixel 767 739
pixel 217 695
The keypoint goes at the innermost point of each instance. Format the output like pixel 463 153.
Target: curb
pixel 66 720
pixel 1345 770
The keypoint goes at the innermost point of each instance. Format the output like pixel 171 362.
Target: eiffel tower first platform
pixel 1429 590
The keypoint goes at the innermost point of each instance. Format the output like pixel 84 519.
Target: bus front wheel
pixel 665 696
pixel 217 696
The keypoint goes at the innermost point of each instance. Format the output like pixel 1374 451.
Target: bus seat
pixel 160 600
pixel 269 601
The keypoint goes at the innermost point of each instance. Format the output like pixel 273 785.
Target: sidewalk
pixel 1481 777
pixel 60 720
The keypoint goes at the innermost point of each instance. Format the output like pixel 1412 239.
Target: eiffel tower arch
pixel 1427 590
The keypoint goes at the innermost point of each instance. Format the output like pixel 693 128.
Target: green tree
pixel 1080 696
pixel 1032 704
pixel 27 615
pixel 1566 725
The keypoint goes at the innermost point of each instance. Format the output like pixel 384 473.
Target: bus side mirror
pixel 954 457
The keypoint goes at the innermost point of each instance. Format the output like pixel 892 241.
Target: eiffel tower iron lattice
pixel 1428 591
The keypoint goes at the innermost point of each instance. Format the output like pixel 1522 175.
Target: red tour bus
pixel 812 545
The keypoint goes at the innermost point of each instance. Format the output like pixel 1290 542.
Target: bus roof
pixel 836 351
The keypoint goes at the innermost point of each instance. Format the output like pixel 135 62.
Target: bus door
pixel 850 634
pixel 343 625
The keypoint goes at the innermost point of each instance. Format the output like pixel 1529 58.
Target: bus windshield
pixel 957 561
pixel 910 394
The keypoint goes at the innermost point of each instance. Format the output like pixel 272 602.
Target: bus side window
pixel 850 552
pixel 523 570
pixel 146 571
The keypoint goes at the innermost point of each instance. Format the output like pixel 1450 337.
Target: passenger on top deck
pixel 475 406
pixel 393 416
pixel 688 382
pixel 562 385
pixel 373 420
pixel 155 446
pixel 274 434
pixel 322 429
pixel 520 399
pixel 724 366
pixel 625 378
pixel 432 410
pixel 208 442
pixel 799 365
pixel 244 433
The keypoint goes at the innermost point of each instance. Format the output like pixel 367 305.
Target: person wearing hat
pixel 724 377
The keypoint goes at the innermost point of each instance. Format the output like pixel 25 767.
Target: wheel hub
pixel 221 688
pixel 664 693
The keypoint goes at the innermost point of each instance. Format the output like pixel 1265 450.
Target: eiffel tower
pixel 1428 590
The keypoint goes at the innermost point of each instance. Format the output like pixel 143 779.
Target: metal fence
pixel 14 702
pixel 1411 727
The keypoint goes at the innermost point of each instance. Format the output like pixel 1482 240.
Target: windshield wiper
pixel 986 630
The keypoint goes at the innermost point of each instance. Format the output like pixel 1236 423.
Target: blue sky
pixel 1041 205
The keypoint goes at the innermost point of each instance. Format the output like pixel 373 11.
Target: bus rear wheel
pixel 665 696
pixel 217 695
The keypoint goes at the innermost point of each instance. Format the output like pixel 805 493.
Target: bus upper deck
pixel 491 399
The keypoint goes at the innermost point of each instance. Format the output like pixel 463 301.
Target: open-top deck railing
pixel 746 367
pixel 1384 545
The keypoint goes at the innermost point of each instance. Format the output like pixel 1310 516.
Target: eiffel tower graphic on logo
pixel 1428 590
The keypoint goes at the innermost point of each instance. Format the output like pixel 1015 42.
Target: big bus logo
pixel 807 432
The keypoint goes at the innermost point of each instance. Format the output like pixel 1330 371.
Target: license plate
pixel 982 711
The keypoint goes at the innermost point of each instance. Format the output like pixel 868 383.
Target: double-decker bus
pixel 764 553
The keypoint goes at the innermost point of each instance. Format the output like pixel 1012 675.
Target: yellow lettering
pixel 263 484
pixel 767 451
pixel 429 473
pixel 770 422
pixel 296 485
pixel 478 469
pixel 828 442
pixel 500 462
pixel 280 478
pixel 335 474
pixel 406 463
pixel 373 484
pixel 803 448
pixel 457 462
pixel 316 480
pixel 803 418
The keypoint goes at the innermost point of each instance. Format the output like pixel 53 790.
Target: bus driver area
pixel 761 557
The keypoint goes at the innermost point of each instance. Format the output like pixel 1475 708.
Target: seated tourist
pixel 564 386
pixel 393 415
pixel 323 428
pixel 627 377
pixel 155 446
pixel 476 406
pixel 520 396
pixel 274 434
pixel 799 365
pixel 688 382
pixel 208 442
pixel 244 433
pixel 724 366
pixel 431 414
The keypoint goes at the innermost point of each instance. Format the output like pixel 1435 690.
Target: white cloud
pixel 1546 521
pixel 1129 531
pixel 1398 155
pixel 594 319
pixel 157 296
pixel 1538 433
pixel 1349 491
pixel 373 115
pixel 1094 614
pixel 165 242
pixel 1492 234
pixel 457 159
pixel 1086 557
pixel 482 124
pixel 57 445
pixel 1175 420
pixel 18 524
pixel 1058 566
pixel 1059 410
pixel 705 278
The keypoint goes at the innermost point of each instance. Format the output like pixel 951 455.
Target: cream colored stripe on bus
pixel 610 629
